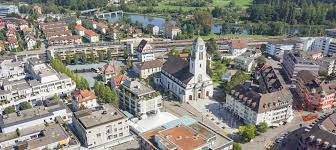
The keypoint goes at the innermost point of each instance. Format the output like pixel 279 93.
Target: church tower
pixel 198 59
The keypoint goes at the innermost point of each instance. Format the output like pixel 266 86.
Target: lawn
pixel 242 3
pixel 217 70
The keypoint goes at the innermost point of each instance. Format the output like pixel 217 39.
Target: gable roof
pixel 141 46
pixel 150 64
pixel 179 68
pixel 107 69
pixel 84 95
pixel 238 44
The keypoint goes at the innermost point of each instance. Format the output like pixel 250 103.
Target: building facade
pixel 188 80
pixel 139 99
pixel 144 51
pixel 147 68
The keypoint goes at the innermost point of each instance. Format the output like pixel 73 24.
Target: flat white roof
pixel 153 122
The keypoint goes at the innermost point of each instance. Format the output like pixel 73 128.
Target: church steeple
pixel 198 57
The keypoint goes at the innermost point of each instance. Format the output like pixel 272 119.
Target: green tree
pixel 18 133
pixel 25 105
pixel 174 52
pixel 75 59
pixel 262 127
pixel 236 146
pixel 211 46
pixel 238 78
pixel 109 55
pixel 84 59
pixel 100 56
pixel 93 57
pixel 10 109
pixel 261 59
pixel 56 98
pixel 247 132
pixel 67 60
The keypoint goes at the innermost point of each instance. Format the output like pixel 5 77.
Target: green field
pixel 242 3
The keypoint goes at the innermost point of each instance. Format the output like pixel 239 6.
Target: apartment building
pixel 147 68
pixel 277 48
pixel 183 134
pixel 139 99
pixel 237 47
pixel 62 33
pixel 102 127
pixel 319 135
pixel 144 51
pixel 42 82
pixel 65 40
pixel 329 45
pixel 8 9
pixel 244 63
pixel 42 114
pixel 82 99
pixel 315 94
pixel 269 102
pixel 12 70
pixel 293 62
pixel 91 36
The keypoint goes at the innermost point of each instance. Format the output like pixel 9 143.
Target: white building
pixel 91 36
pixel 35 116
pixel 271 103
pixel 244 63
pixel 108 72
pixel 188 80
pixel 30 41
pixel 237 47
pixel 43 83
pixel 139 99
pixel 278 48
pixel 144 51
pixel 329 46
pixel 153 29
pixel 102 28
pixel 12 70
pixel 80 30
pixel 82 99
pixel 101 128
pixel 147 68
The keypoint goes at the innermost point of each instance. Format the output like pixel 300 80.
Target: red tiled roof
pixel 238 44
pixel 108 69
pixel 79 28
pixel 90 33
pixel 84 95
pixel 118 79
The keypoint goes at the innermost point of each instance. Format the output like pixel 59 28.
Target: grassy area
pixel 217 71
pixel 241 3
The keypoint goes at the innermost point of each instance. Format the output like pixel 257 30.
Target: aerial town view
pixel 167 74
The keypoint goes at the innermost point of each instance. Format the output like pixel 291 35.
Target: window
pixel 98 135
pixel 115 136
pixel 201 56
pixel 120 134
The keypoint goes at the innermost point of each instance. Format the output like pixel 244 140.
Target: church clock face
pixel 201 47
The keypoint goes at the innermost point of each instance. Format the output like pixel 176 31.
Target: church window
pixel 199 78
pixel 200 65
pixel 201 56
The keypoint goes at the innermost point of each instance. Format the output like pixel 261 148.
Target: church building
pixel 188 80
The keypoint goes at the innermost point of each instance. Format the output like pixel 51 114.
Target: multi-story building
pixel 184 135
pixel 102 127
pixel 42 82
pixel 144 51
pixel 51 136
pixel 82 99
pixel 139 99
pixel 153 29
pixel 320 135
pixel 329 46
pixel 61 33
pixel 91 36
pixel 270 102
pixel 148 68
pixel 8 9
pixel 65 40
pixel 316 95
pixel 45 113
pixel 80 30
pixel 244 63
pixel 12 70
pixel 293 62
pixel 171 31
pixel 277 48
pixel 237 47
pixel 108 73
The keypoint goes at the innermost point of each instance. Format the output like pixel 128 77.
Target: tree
pixel 236 146
pixel 84 59
pixel 109 55
pixel 247 132
pixel 93 57
pixel 75 59
pixel 10 109
pixel 262 127
pixel 211 46
pixel 56 98
pixel 174 52
pixel 261 60
pixel 100 56
pixel 238 78
pixel 17 132
pixel 67 60
pixel 25 105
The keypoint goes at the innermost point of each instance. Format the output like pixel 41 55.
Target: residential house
pixel 237 47
pixel 80 30
pixel 102 27
pixel 171 31
pixel 30 41
pixel 244 63
pixel 147 68
pixel 144 51
pixel 91 23
pixel 108 72
pixel 91 36
pixel 153 29
pixel 82 99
